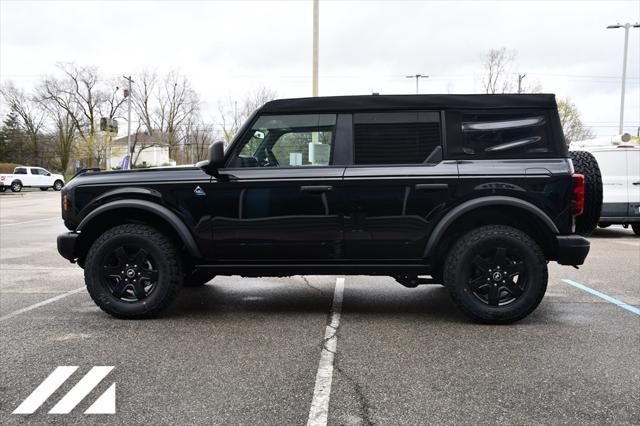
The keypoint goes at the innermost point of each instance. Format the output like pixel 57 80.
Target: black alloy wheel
pixel 130 273
pixel 499 277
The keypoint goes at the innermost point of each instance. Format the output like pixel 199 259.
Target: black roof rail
pixel 89 169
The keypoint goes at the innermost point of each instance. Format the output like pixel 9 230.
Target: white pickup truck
pixel 31 176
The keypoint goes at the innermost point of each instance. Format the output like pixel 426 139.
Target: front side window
pixel 38 172
pixel 395 138
pixel 500 134
pixel 287 141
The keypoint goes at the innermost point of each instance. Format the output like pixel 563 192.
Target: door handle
pixel 316 189
pixel 636 183
pixel 431 186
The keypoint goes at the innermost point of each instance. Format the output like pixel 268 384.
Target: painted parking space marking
pixel 606 297
pixel 39 304
pixel 319 411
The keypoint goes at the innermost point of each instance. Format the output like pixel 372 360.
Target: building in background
pixel 149 151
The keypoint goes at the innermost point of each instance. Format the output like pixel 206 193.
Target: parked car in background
pixel 31 177
pixel 619 164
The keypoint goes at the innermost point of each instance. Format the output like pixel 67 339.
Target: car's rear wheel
pixel 57 185
pixel 133 271
pixel 16 186
pixel 636 228
pixel 3 188
pixel 496 274
pixel 197 278
pixel 44 188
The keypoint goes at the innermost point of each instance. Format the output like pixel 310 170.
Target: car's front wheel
pixel 133 271
pixel 636 228
pixel 496 274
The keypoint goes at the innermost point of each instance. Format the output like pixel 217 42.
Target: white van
pixel 619 162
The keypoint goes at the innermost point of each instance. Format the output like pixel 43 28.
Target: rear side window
pixel 499 134
pixel 395 138
pixel 20 171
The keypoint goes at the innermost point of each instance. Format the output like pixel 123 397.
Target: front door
pixel 282 182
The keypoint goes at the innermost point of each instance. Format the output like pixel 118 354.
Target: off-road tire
pixel 58 185
pixel 16 186
pixel 636 228
pixel 156 244
pixel 586 164
pixel 458 270
pixel 197 278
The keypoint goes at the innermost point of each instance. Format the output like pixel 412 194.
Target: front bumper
pixel 67 244
pixel 572 249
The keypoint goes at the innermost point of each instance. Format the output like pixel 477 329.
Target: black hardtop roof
pixel 330 104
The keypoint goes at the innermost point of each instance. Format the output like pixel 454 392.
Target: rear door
pixel 396 185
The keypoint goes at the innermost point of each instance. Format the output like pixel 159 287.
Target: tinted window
pixel 37 172
pixel 287 141
pixel 20 171
pixel 504 135
pixel 395 138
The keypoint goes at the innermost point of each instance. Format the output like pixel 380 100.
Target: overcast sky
pixel 229 48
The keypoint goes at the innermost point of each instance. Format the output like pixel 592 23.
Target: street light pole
pixel 417 77
pixel 624 68
pixel 129 80
pixel 316 18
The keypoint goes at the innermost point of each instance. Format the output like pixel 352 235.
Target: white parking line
pixel 31 221
pixel 39 304
pixel 320 403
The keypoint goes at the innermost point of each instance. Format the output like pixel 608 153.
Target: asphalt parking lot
pixel 247 351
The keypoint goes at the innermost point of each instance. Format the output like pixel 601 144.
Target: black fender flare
pixel 170 217
pixel 494 200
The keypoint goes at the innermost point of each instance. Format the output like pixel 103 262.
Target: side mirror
pixel 215 159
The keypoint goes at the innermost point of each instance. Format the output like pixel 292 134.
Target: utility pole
pixel 624 67
pixel 128 95
pixel 417 77
pixel 316 18
pixel 520 78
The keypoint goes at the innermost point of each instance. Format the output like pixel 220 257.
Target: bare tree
pixel 178 103
pixel 572 125
pixel 165 107
pixel 81 95
pixel 496 66
pixel 145 100
pixel 234 114
pixel 30 114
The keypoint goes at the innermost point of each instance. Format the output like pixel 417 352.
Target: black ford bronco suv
pixel 474 192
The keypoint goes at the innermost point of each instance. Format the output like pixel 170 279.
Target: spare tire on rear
pixel 586 164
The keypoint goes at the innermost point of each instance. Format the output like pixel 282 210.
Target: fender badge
pixel 199 191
